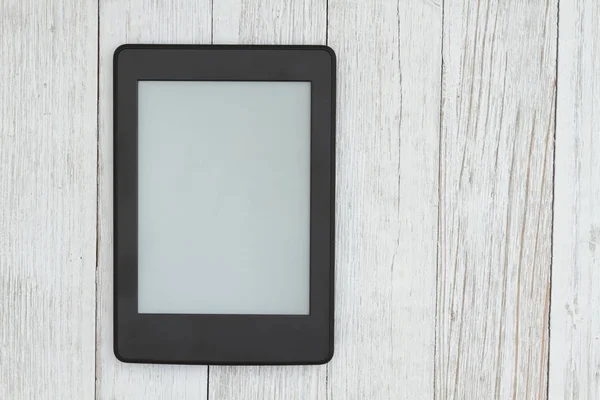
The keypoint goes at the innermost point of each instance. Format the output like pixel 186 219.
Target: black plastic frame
pixel 224 339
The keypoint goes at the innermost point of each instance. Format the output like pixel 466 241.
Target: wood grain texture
pixel 575 316
pixel 267 382
pixel 482 177
pixel 268 22
pixel 496 199
pixel 136 21
pixel 389 80
pixel 47 199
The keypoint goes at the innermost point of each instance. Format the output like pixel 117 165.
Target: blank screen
pixel 223 197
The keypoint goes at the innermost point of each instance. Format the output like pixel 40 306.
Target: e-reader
pixel 224 172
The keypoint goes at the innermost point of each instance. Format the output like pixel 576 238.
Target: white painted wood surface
pixel 496 199
pixel 389 63
pixel 268 22
pixel 47 199
pixel 575 317
pixel 445 196
pixel 136 21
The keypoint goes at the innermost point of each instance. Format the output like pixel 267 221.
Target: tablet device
pixel 224 172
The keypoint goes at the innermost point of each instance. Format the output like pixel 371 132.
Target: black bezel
pixel 224 339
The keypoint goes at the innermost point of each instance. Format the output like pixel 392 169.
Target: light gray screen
pixel 223 197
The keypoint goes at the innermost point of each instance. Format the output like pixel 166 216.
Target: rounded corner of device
pixel 330 52
pixel 122 48
pixel 120 356
pixel 327 358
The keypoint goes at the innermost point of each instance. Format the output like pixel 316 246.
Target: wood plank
pixel 268 22
pixel 496 199
pixel 575 317
pixel 136 21
pixel 47 199
pixel 389 56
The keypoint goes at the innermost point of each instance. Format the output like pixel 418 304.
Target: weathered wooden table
pixel 468 253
